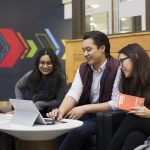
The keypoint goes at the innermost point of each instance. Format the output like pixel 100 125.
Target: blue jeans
pixel 74 140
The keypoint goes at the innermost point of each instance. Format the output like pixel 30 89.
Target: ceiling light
pixel 91 19
pixel 94 6
pixel 123 19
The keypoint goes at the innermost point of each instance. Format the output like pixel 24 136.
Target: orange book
pixel 125 102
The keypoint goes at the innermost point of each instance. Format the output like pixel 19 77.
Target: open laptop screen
pixel 27 113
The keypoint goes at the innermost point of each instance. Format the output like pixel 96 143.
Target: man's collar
pixel 101 68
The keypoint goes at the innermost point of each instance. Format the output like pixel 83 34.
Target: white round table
pixel 36 132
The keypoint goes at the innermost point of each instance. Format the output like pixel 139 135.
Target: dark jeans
pixel 2 146
pixel 7 142
pixel 75 139
pixel 131 128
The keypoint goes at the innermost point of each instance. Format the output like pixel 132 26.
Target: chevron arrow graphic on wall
pixel 33 48
pixel 51 37
pixel 24 44
pixel 15 48
pixel 4 47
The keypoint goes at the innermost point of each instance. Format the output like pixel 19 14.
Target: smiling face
pixel 126 65
pixel 45 65
pixel 93 55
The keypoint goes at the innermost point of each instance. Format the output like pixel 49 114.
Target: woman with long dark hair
pixel 45 84
pixel 135 81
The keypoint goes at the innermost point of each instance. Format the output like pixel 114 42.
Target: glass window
pixel 117 16
pixel 130 24
pixel 97 21
pixel 98 15
pixel 125 0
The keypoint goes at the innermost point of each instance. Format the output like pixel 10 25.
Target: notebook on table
pixel 26 113
pixel 125 102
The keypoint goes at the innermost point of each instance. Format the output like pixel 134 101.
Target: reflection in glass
pixel 130 24
pixel 97 21
pixel 126 25
pixel 125 0
pixel 116 16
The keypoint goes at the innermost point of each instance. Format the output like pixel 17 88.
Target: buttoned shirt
pixel 77 86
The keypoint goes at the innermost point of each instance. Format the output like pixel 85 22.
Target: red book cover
pixel 125 102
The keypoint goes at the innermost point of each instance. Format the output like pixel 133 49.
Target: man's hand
pixel 75 113
pixel 67 104
pixel 55 114
pixel 140 111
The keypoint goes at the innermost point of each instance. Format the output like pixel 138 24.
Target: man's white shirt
pixel 77 87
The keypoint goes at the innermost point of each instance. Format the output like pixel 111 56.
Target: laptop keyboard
pixel 51 122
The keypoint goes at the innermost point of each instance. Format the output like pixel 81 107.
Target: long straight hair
pixel 139 83
pixel 54 78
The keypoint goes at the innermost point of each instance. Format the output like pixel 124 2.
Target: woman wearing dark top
pixel 135 80
pixel 45 84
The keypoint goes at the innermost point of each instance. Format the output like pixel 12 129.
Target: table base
pixel 36 145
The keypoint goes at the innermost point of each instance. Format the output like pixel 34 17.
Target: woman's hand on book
pixel 140 111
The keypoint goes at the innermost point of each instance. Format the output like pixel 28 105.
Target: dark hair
pixel 54 78
pixel 139 83
pixel 99 39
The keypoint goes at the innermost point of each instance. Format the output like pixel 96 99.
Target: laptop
pixel 26 113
